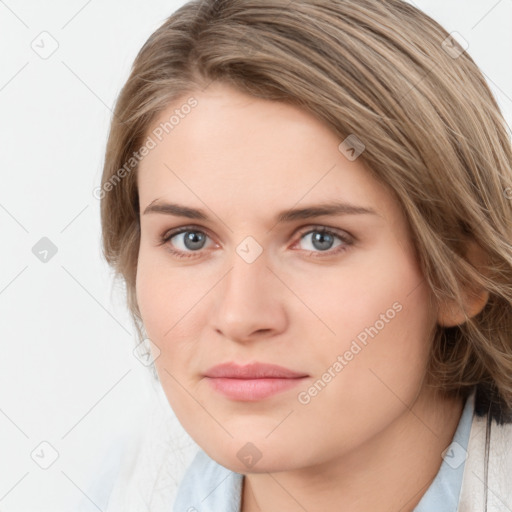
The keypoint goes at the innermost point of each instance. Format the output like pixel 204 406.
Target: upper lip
pixel 255 370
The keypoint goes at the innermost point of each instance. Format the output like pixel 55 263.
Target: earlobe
pixel 450 314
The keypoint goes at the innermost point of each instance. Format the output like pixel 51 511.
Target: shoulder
pixel 487 481
pixel 120 455
pixel 209 486
pixel 142 471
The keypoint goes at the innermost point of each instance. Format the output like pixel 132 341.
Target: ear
pixel 449 314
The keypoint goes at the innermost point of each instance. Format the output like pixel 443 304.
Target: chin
pixel 253 457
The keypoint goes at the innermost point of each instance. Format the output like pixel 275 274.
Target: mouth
pixel 252 382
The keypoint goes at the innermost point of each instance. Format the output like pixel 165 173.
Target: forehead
pixel 236 150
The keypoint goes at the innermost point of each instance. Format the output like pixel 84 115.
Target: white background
pixel 67 372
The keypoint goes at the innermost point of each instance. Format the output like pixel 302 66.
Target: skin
pixel 372 438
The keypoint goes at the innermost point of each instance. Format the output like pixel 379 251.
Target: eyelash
pixel 347 241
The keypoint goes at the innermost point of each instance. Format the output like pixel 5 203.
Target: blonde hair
pixel 388 73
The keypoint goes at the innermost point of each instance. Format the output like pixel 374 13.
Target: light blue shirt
pixel 443 493
pixel 209 487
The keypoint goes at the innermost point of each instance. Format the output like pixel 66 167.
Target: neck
pixel 390 471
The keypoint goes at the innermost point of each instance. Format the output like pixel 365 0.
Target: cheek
pixel 369 295
pixel 173 308
pixel 378 359
pixel 151 296
pixel 164 295
pixel 164 301
pixel 382 333
pixel 380 322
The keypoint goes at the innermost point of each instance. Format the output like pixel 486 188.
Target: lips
pixel 252 371
pixel 252 382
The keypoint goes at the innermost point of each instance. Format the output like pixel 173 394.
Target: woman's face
pixel 252 279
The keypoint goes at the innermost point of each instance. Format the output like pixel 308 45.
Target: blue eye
pixel 194 240
pixel 322 240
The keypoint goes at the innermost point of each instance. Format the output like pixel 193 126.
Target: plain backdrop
pixel 71 389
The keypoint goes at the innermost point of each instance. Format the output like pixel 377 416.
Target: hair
pixel 387 73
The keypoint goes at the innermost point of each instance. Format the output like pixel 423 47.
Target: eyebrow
pixel 317 210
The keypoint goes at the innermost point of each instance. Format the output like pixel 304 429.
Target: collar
pixel 209 487
pixel 443 493
pixel 487 481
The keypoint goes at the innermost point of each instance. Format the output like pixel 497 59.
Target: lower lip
pixel 252 389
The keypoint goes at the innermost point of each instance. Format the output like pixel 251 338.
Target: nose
pixel 250 301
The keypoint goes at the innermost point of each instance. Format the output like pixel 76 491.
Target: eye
pixel 188 240
pixel 321 240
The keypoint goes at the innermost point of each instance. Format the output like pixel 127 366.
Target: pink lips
pixel 252 382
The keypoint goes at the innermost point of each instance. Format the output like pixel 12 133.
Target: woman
pixel 310 206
